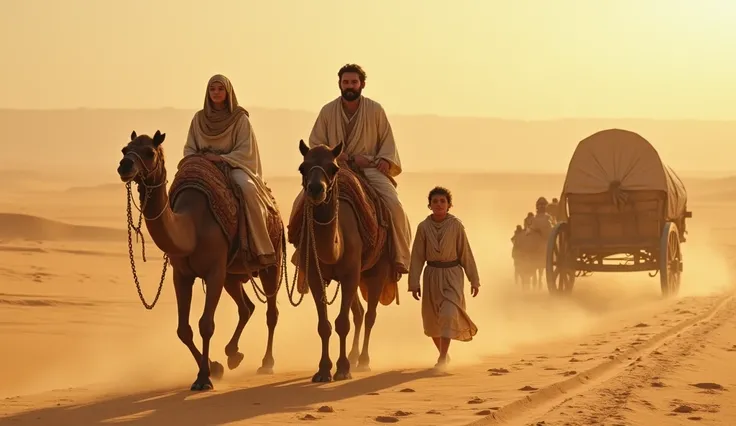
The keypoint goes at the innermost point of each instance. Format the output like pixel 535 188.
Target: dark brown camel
pixel 338 246
pixel 197 248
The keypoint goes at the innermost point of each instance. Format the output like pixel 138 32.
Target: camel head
pixel 143 157
pixel 318 170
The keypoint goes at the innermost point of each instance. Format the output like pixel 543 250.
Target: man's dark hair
pixel 440 190
pixel 353 68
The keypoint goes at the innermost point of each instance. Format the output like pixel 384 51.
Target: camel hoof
pixel 216 370
pixel 322 377
pixel 202 385
pixel 363 368
pixel 233 361
pixel 265 370
pixel 354 360
pixel 342 375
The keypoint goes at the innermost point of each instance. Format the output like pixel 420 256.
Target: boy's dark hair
pixel 440 190
pixel 353 68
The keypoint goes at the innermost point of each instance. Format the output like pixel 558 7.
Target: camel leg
pixel 324 328
pixel 342 323
pixel 246 308
pixel 358 314
pixel 270 281
pixel 215 282
pixel 375 287
pixel 183 285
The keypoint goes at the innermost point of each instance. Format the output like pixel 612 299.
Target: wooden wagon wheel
pixel 560 265
pixel 670 260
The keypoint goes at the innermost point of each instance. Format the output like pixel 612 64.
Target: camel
pixel 331 241
pixel 196 247
pixel 529 259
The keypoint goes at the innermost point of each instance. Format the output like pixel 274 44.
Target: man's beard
pixel 351 94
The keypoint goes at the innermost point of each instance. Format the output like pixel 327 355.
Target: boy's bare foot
pixel 442 362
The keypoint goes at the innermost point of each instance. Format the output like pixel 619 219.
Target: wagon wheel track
pixel 606 381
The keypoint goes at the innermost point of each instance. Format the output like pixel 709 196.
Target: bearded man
pixel 361 124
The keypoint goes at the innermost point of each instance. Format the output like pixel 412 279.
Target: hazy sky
pixel 515 59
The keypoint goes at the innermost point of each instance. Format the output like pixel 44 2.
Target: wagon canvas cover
pixel 623 156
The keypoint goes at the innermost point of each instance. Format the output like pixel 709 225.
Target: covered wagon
pixel 621 210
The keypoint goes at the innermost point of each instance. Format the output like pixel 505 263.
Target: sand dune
pixel 26 227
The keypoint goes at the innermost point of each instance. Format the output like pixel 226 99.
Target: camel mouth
pixel 317 198
pixel 127 176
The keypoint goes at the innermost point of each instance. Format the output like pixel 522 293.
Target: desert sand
pixel 80 349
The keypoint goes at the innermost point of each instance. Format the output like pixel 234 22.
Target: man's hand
pixel 383 166
pixel 417 294
pixel 213 157
pixel 342 157
pixel 473 291
pixel 361 161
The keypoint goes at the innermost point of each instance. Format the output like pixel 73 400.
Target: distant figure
pixel 553 210
pixel 542 221
pixel 442 243
pixel 528 220
pixel 517 231
pixel 515 252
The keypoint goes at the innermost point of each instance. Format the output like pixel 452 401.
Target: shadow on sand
pixel 175 407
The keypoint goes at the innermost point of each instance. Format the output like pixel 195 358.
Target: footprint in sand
pixel 372 393
pixel 498 371
pixel 387 419
pixel 528 388
pixel 407 390
pixel 641 325
pixel 402 413
pixel 476 400
pixel 569 373
pixel 683 409
pixel 483 413
pixel 658 385
pixel 325 409
pixel 433 412
pixel 308 417
pixel 709 386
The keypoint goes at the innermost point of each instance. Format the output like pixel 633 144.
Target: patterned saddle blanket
pixel 228 207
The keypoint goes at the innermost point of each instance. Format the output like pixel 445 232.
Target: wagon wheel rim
pixel 560 258
pixel 673 262
pixel 670 261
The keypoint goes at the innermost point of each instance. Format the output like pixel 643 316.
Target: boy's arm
pixel 465 255
pixel 417 259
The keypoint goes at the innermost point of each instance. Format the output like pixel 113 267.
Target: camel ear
pixel 337 150
pixel 133 135
pixel 303 148
pixel 158 138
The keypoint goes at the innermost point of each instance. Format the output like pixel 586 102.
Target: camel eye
pixel 301 169
pixel 150 153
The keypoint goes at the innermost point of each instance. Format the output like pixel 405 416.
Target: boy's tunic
pixel 444 246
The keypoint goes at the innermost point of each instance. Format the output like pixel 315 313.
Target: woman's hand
pixel 213 157
pixel 417 294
